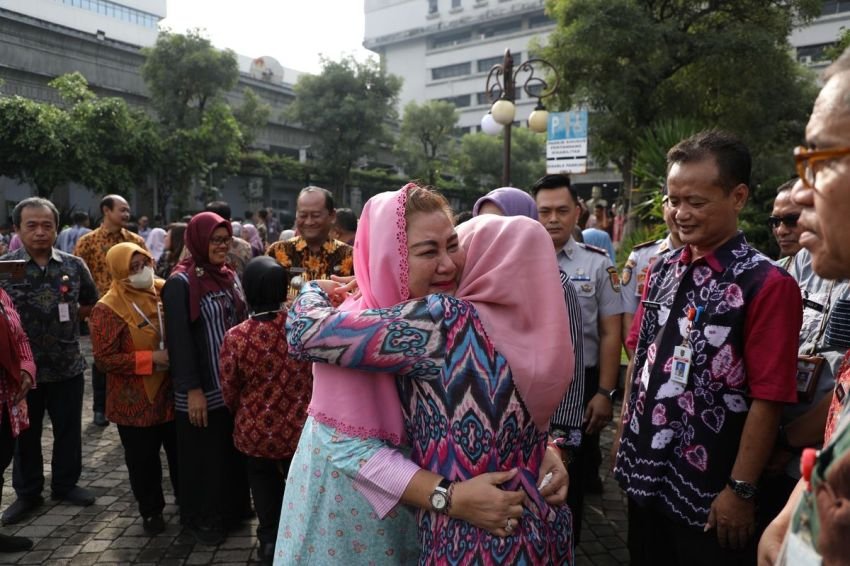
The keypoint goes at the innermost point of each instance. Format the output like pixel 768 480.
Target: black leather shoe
pixel 265 554
pixel 20 508
pixel 75 496
pixel 100 419
pixel 209 536
pixel 153 525
pixel 14 544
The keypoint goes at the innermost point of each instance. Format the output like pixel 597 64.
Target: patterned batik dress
pixel 463 415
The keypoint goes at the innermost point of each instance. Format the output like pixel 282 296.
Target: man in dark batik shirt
pixel 57 292
pixel 715 341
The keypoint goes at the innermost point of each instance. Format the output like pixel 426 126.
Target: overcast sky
pixel 295 32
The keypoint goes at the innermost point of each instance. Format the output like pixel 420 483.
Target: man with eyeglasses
pixel 809 528
pixel 824 340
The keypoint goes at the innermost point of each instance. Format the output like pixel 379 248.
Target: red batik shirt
pixel 19 417
pixel 267 391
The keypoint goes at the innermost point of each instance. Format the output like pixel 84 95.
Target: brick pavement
pixel 110 531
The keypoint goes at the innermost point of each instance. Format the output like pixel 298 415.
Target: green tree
pixel 347 107
pixel 251 116
pixel 33 143
pixel 201 137
pixel 184 72
pixel 840 46
pixel 635 63
pixel 480 155
pixel 426 138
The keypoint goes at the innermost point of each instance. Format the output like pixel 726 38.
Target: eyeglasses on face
pixel 221 241
pixel 809 161
pixel 790 221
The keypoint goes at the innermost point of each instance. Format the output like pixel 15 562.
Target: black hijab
pixel 265 283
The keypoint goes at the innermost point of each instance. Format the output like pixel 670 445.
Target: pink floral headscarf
pixel 369 407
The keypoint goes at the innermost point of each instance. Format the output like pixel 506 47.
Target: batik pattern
pixel 463 415
pixel 680 441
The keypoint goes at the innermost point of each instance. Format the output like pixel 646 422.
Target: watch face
pixel 744 490
pixel 438 501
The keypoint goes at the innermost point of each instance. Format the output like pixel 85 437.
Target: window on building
pixel 457 70
pixel 458 132
pixel 461 101
pixel 484 65
pixel 539 21
pixel 835 7
pixel 813 54
pixel 450 39
pixel 456 4
pixel 482 98
pixel 502 29
pixel 115 10
pixel 433 6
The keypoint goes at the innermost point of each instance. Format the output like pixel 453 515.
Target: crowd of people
pixel 404 387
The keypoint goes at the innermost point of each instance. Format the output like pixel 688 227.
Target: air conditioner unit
pixel 806 59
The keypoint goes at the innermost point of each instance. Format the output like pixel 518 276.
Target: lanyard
pixel 146 319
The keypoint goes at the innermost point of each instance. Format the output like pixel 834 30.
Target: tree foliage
pixel 184 72
pixel 347 107
pixel 426 139
pixel 98 142
pixel 480 156
pixel 636 63
pixel 840 46
pixel 200 135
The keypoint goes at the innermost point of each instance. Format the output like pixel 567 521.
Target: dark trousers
pixel 63 401
pixel 268 480
pixel 141 453
pixel 7 444
pixel 655 540
pixel 98 389
pixel 214 489
pixel 583 461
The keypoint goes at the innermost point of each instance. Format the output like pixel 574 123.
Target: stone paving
pixel 110 531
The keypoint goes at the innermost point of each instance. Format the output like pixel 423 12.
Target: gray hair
pixel 34 202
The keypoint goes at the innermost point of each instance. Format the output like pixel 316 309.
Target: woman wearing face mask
pixel 127 342
pixel 202 300
pixel 407 249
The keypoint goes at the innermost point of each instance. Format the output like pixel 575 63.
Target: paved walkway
pixel 110 531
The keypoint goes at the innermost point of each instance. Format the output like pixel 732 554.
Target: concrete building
pixel 34 51
pixel 128 21
pixel 812 40
pixel 443 49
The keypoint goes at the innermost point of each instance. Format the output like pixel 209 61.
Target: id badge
pixel 808 374
pixel 681 364
pixel 64 312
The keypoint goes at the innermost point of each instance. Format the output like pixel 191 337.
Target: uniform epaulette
pixel 594 249
pixel 646 244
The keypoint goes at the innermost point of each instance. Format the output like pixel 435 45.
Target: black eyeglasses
pixel 790 221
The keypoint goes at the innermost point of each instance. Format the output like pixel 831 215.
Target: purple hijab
pixel 511 201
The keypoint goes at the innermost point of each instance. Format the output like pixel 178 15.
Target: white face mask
pixel 142 279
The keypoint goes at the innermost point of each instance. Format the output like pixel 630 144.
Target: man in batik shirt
pixel 713 368
pixel 313 254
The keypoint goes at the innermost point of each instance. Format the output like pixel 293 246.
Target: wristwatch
pixel 440 499
pixel 743 489
pixel 610 393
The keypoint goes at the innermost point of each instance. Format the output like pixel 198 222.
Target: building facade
pixel 811 41
pixel 34 51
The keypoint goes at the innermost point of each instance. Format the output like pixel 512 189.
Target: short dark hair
pixel 249 214
pixel 329 197
pixel 734 163
pixel 79 216
pixel 551 182
pixel 787 185
pixel 346 219
pixel 34 202
pixel 263 213
pixel 109 202
pixel 220 207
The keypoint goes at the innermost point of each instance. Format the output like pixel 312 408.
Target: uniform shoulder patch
pixel 614 278
pixel 594 249
pixel 646 244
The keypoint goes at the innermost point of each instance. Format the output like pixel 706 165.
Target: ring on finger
pixel 509 526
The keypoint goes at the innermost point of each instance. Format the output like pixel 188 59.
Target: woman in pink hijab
pixel 478 374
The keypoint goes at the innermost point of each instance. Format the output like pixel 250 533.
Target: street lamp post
pixel 501 89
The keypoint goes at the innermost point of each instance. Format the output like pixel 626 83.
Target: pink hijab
pixel 512 278
pixel 370 407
